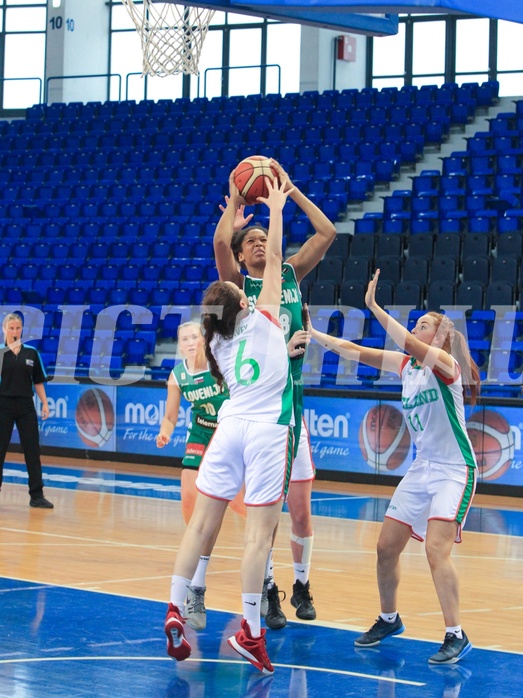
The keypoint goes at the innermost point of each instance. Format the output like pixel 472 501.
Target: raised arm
pixel 270 295
pixel 312 251
pixel 174 396
pixel 378 358
pixel 426 354
pixel 225 262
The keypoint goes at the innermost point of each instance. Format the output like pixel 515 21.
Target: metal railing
pixel 261 66
pixel 80 77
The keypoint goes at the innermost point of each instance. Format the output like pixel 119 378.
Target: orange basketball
pixel 249 177
pixel 384 438
pixel 492 441
pixel 94 417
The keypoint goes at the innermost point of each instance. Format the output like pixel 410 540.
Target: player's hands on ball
pixel 234 199
pixel 162 440
pixel 277 196
pixel 282 176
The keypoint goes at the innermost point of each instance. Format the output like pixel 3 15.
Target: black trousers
pixel 21 411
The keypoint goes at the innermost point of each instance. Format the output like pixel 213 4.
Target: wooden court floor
pixel 97 540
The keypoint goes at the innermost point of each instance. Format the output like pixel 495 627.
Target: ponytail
pixel 455 344
pixel 220 308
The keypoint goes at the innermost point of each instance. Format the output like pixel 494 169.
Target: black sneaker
pixel 302 601
pixel 41 503
pixel 379 631
pixel 264 605
pixel 275 618
pixel 452 649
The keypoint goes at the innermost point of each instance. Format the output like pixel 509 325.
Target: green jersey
pixel 202 391
pixel 290 307
pixel 206 398
pixel 290 321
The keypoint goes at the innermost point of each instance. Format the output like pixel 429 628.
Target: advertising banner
pixel 139 414
pixel 347 434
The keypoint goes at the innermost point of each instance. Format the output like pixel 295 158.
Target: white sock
pixel 389 617
pixel 198 579
pixel 179 588
pixel 303 566
pixel 455 630
pixel 251 612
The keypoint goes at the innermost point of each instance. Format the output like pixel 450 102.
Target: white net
pixel 171 35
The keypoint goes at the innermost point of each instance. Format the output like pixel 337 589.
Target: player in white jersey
pixel 235 246
pixel 432 500
pixel 252 443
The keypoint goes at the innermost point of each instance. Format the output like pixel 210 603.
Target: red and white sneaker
pixel 177 646
pixel 252 648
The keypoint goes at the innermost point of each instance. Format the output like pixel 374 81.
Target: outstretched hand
pixel 370 295
pixel 240 219
pixel 277 194
pixel 282 176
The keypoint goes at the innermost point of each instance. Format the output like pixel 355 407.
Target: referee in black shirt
pixel 21 372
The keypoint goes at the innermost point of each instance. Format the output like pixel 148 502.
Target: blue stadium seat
pixel 330 268
pixel 357 268
pixel 323 293
pixel 421 245
pixel 476 268
pixel 470 294
pixel 440 294
pixel 352 293
pixel 499 293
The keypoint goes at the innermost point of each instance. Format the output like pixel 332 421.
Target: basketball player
pixel 235 244
pixel 247 350
pixel 432 500
pixel 192 379
pixel 21 375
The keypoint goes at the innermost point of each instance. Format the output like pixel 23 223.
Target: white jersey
pixel 255 365
pixel 434 412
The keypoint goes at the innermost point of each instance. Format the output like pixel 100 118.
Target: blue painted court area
pixel 342 506
pixel 62 642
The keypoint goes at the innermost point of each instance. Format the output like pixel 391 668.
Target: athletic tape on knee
pixel 306 544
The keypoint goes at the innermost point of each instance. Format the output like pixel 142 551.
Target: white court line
pixel 339 672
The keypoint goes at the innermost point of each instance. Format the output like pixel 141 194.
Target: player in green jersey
pixel 192 379
pixel 237 247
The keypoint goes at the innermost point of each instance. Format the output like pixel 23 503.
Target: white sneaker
pixel 195 608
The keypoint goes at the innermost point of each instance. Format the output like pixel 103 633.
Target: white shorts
pixel 433 491
pixel 303 469
pixel 257 453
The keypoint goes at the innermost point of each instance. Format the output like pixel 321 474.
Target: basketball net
pixel 171 35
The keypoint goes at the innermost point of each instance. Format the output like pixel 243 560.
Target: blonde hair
pixel 455 344
pixel 190 323
pixel 8 318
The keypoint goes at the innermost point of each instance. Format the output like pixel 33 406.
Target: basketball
pixel 492 441
pixel 94 417
pixel 384 438
pixel 249 177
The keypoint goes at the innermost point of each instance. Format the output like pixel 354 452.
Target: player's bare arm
pixel 270 295
pixel 225 263
pixel 426 354
pixel 312 251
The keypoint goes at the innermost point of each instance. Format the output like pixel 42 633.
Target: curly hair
pixel 238 238
pixel 455 344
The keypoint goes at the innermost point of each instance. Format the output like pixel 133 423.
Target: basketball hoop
pixel 171 35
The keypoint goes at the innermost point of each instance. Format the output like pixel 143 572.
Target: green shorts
pixel 198 439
